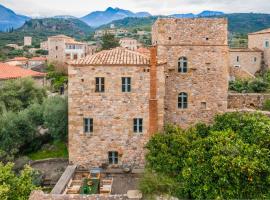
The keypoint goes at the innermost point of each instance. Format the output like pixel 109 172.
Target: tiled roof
pixel 144 51
pixel 20 59
pixel 118 56
pixel 261 32
pixel 12 72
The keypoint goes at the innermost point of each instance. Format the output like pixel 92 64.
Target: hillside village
pixel 175 112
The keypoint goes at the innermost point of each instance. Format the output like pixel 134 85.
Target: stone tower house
pixel 196 52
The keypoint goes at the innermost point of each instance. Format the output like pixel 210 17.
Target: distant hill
pixel 206 13
pixel 99 18
pixel 40 29
pixel 238 22
pixel 10 20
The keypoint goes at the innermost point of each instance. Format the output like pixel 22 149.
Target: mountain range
pixel 99 18
pixel 10 20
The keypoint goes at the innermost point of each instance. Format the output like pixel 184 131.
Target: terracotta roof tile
pixel 20 59
pixel 117 56
pixel 12 72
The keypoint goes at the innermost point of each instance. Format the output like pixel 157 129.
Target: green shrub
pixel 228 160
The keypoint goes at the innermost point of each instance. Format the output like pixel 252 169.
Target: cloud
pixel 83 7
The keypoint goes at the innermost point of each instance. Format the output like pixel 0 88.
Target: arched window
pixel 183 65
pixel 183 100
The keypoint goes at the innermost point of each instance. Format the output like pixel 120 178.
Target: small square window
pixel 170 38
pixel 203 105
pixel 113 157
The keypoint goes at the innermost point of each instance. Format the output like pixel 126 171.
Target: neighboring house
pixel 8 72
pixel 63 49
pixel 15 46
pixel 44 45
pixel 113 31
pixel 261 40
pixel 118 98
pixel 27 41
pixel 129 43
pixel 18 61
pixel 36 61
pixel 245 63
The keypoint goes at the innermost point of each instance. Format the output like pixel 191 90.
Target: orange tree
pixel 227 160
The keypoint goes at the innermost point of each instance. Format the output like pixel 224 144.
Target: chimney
pixel 153 107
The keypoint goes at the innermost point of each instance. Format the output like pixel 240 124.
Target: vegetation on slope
pixel 40 29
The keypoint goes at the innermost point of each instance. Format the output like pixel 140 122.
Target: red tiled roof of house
pixel 20 59
pixel 38 59
pixel 11 72
pixel 118 56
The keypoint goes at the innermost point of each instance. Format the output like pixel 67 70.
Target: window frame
pixel 183 100
pixel 126 84
pixel 266 44
pixel 138 125
pixel 88 125
pixel 100 85
pixel 113 157
pixel 182 65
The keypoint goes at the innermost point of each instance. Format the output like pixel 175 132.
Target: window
pixel 203 105
pixel 182 65
pixel 255 59
pixel 138 125
pixel 183 100
pixel 126 84
pixel 100 84
pixel 237 59
pixel 113 157
pixel 266 44
pixel 75 56
pixel 56 48
pixel 88 125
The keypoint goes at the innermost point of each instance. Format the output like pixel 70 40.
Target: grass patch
pixel 52 150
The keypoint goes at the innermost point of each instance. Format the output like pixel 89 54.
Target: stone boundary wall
pixel 249 100
pixel 50 160
pixel 39 195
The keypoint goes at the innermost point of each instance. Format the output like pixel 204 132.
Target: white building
pixel 129 43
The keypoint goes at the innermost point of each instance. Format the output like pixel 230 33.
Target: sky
pixel 79 8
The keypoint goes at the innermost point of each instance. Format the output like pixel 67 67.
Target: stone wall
pixel 204 43
pixel 251 101
pixel 39 195
pixel 56 48
pixel 113 112
pixel 249 60
pixel 257 41
pixel 239 73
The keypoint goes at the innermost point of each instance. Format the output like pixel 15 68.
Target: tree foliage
pixel 228 160
pixel 109 42
pixel 13 186
pixel 16 95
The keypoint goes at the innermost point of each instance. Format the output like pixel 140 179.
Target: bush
pixel 16 95
pixel 14 186
pixel 245 86
pixel 228 160
pixel 56 117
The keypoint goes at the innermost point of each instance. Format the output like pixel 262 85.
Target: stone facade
pixel 259 40
pixel 27 41
pixel 129 43
pixel 63 49
pixel 204 43
pixel 249 60
pixel 250 101
pixel 112 111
